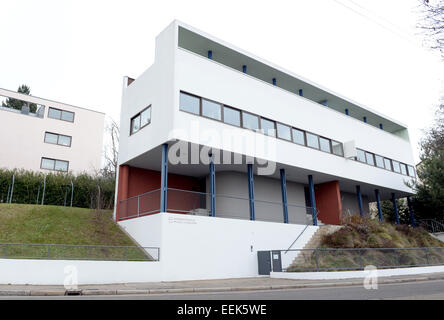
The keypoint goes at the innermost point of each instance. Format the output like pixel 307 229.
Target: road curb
pixel 106 292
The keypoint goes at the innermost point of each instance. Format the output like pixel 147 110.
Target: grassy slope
pixel 20 223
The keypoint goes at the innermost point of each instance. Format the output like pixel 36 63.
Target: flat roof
pixel 49 100
pixel 225 53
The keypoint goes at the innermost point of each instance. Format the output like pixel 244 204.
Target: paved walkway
pixel 225 285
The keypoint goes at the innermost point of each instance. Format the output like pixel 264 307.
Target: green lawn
pixel 35 224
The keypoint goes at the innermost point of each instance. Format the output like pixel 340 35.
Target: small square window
pixel 379 161
pixel 250 121
pixel 388 164
pixel 360 155
pixel 267 127
pixel 64 141
pixel 211 109
pixel 51 138
pixel 189 103
pixel 411 171
pixel 325 144
pixel 396 166
pixel 145 117
pixel 312 140
pixel 298 136
pixel 403 168
pixel 61 165
pixel 283 131
pixel 369 158
pixel 55 113
pixel 68 116
pixel 48 164
pixel 232 116
pixel 135 124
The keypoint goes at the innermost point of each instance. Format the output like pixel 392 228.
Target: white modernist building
pixel 223 154
pixel 47 136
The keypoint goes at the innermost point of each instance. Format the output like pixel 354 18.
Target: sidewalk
pixel 243 284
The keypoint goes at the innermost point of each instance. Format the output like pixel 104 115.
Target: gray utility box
pixel 269 261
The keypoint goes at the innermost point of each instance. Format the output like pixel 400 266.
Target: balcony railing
pixel 198 203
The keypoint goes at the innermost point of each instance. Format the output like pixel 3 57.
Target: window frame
pixel 55 161
pixel 235 109
pixel 284 125
pixel 200 104
pixel 329 144
pixel 263 131
pixel 211 101
pixel 258 121
pixel 140 120
pixel 58 139
pixel 61 112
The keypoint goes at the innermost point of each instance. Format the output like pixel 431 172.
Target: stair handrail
pixel 300 234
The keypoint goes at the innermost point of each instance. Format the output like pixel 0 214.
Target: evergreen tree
pixel 17 104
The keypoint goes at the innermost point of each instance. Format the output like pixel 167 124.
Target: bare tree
pixel 432 23
pixel 112 149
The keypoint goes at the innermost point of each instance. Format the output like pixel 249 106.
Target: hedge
pixel 28 188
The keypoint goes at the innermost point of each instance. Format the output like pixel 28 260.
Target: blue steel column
pixel 395 207
pixel 412 217
pixel 378 204
pixel 301 92
pixel 312 199
pixel 274 81
pixel 251 191
pixel 210 54
pixel 244 69
pixel 284 195
pixel 164 179
pixel 212 189
pixel 358 193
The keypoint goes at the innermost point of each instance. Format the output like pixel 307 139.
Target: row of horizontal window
pixel 385 163
pixel 60 114
pixel 54 164
pixel 140 120
pixel 59 139
pixel 213 110
pixel 229 115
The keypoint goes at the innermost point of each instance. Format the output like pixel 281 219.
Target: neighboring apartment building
pixel 57 137
pixel 241 116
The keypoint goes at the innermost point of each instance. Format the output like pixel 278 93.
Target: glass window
pixel 189 103
pixel 64 141
pixel 250 121
pixel 68 116
pixel 61 165
pixel 267 127
pixel 388 164
pixel 145 117
pixel 51 138
pixel 135 124
pixel 312 140
pixel 360 155
pixel 298 136
pixel 211 109
pixel 232 116
pixel 54 113
pixel 396 166
pixel 369 158
pixel 379 161
pixel 337 148
pixel 48 164
pixel 403 168
pixel 411 171
pixel 283 131
pixel 325 144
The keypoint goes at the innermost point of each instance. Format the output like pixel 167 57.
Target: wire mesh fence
pixel 77 252
pixel 324 259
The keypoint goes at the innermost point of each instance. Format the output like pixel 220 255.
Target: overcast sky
pixel 78 51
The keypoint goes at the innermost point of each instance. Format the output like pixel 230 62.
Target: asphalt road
pixel 413 290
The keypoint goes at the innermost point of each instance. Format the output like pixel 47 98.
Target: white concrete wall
pixel 23 145
pixel 56 272
pixel 196 247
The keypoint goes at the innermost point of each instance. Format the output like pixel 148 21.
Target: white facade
pixel 26 139
pixel 181 103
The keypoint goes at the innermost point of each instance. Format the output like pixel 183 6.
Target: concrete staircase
pixel 314 243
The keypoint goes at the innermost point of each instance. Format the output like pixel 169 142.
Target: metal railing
pixel 77 252
pixel 432 225
pixel 329 259
pixel 144 204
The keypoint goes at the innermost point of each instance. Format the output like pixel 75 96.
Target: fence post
pixel 49 252
pixel 427 256
pixel 44 188
pixel 361 259
pixel 126 253
pixel 5 251
pixel 317 259
pixel 72 191
pixel 12 188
